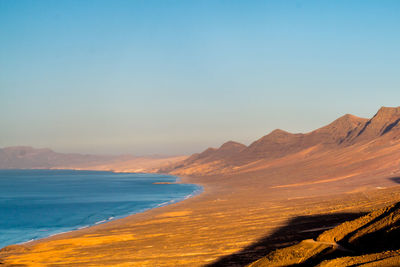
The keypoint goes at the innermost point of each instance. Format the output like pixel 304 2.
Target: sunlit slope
pixel 346 132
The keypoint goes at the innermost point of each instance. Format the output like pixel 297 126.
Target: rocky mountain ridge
pixel 345 131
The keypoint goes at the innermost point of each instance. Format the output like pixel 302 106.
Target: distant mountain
pixel 23 157
pixel 346 131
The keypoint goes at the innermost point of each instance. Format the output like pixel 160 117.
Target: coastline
pixel 115 221
pixel 229 216
pixel 198 190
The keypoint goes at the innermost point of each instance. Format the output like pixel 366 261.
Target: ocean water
pixel 40 203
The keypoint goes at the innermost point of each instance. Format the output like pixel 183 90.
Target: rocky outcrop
pixel 373 239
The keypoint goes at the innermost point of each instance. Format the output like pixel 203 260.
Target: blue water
pixel 40 203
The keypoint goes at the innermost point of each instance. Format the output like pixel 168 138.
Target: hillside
pixel 346 131
pixel 372 240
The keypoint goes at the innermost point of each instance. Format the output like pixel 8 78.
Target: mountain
pixel 345 131
pixel 24 157
pixel 386 120
pixel 371 240
pixel 215 157
pixel 280 143
pixel 224 151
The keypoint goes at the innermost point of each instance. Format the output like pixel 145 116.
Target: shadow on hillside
pixel 297 229
pixel 395 179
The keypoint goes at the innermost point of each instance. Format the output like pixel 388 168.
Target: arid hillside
pixel 345 134
pixel 372 240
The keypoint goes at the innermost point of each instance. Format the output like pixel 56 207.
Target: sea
pixel 40 203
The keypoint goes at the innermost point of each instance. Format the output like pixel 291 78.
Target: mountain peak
pixel 226 150
pixel 278 131
pixel 384 121
pixel 350 117
pixel 343 125
pixel 231 145
pixel 277 135
pixel 387 113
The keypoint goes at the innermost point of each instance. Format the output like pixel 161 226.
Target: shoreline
pixel 134 216
pixel 231 214
pixel 199 190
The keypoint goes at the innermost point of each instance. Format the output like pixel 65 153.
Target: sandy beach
pixel 236 220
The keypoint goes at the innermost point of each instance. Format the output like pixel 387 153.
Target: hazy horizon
pixel 165 154
pixel 176 77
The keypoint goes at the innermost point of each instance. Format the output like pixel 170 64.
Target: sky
pixel 175 77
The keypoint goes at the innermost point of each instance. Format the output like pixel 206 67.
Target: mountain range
pixel 346 131
pixel 231 157
pixel 24 157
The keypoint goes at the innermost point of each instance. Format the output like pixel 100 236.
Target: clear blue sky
pixel 175 77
